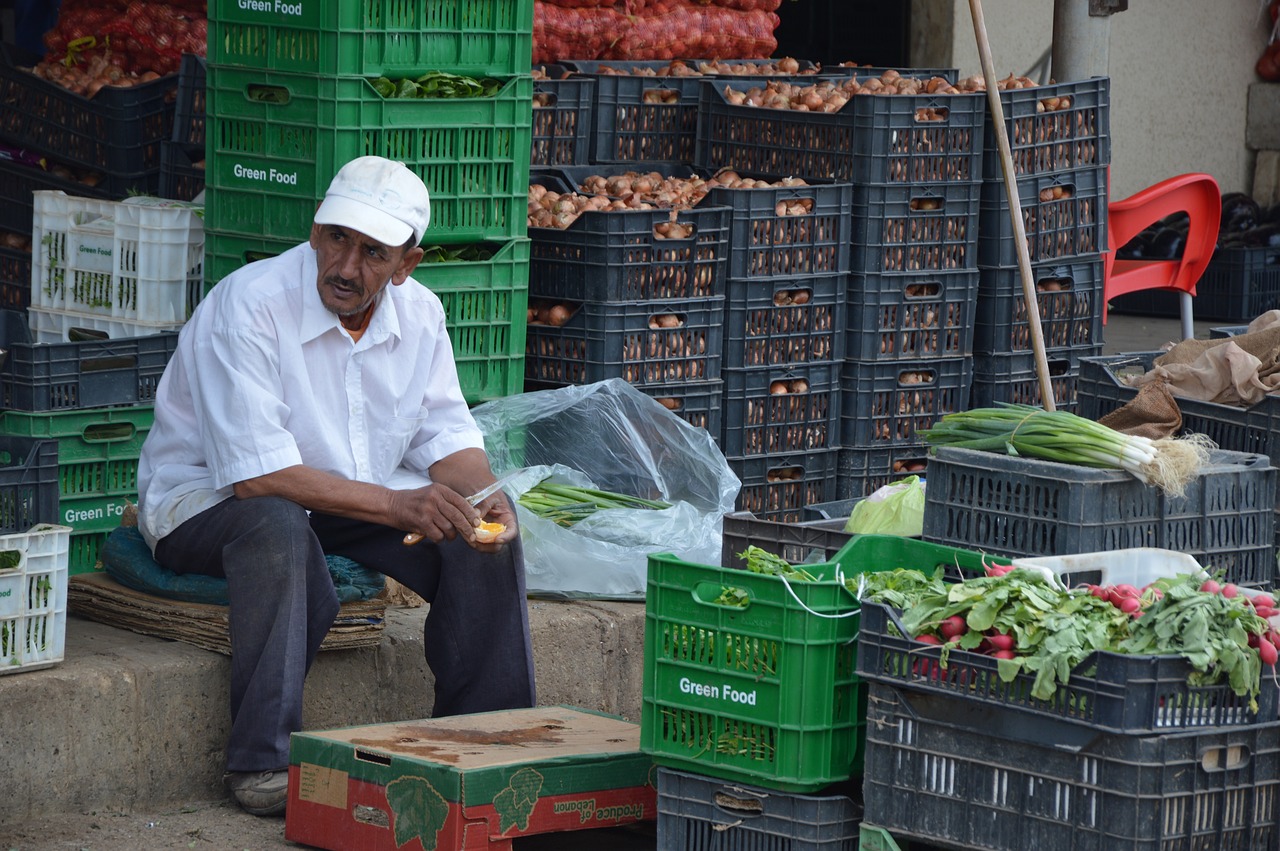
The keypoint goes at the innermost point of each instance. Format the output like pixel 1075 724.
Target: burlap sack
pixel 1239 370
pixel 1153 413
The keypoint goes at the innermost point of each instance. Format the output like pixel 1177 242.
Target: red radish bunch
pixel 1264 606
pixel 951 630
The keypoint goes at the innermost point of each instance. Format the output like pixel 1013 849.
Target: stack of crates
pixel 784 341
pixel 106 147
pixel 1059 138
pixel 614 296
pixel 1129 752
pixel 112 284
pixel 914 165
pixel 182 157
pixel 290 99
pixel 752 707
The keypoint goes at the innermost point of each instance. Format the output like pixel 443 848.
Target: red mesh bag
pixel 565 33
pixel 671 29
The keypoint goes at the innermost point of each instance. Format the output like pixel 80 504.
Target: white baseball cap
pixel 380 198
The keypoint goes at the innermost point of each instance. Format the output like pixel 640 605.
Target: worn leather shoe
pixel 259 793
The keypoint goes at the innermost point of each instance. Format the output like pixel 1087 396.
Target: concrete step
pixel 132 722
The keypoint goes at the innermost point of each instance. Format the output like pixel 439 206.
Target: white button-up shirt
pixel 264 377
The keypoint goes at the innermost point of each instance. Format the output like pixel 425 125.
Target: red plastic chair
pixel 1196 194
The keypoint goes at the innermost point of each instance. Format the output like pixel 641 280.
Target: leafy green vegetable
pixel 730 596
pixel 455 254
pixel 763 561
pixel 10 559
pixel 436 84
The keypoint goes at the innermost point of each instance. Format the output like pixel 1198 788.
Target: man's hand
pixel 436 512
pixel 497 509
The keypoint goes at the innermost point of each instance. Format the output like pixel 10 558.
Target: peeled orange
pixel 487 532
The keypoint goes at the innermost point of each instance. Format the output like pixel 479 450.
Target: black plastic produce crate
pixel 15 279
pixel 908 229
pixel 180 177
pixel 778 487
pixel 773 323
pixel 802 542
pixel 18 181
pixel 1053 128
pixel 1013 378
pixel 1224 331
pixel 951 75
pixel 69 376
pixel 562 117
pixel 968 779
pixel 1069 295
pixel 1237 286
pixel 1064 216
pixel 640 118
pixel 699 403
pixel 910 317
pixel 872 139
pixel 117 132
pixel 889 403
pixel 767 245
pixel 1026 507
pixel 1112 692
pixel 862 470
pixel 618 256
pixel 627 340
pixel 696 812
pixel 768 411
pixel 29 483
pixel 188 110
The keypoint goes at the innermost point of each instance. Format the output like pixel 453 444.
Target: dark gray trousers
pixel 283 603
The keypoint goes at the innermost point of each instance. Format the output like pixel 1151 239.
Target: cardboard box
pixel 467 781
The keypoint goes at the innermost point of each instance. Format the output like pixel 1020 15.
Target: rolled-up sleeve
pixel 448 425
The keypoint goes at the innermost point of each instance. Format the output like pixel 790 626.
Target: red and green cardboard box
pixel 467 781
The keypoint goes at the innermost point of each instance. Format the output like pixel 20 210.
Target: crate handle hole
pixel 926 205
pixel 660 96
pixel 104 364
pixel 786 298
pixel 260 93
pixel 932 114
pixel 1228 758
pixel 911 377
pixel 738 805
pixel 923 291
pixel 108 432
pixel 1054 285
pixel 721 596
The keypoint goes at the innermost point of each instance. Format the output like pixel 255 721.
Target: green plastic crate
pixel 486 304
pixel 373 36
pixel 269 163
pixel 765 694
pixel 98 452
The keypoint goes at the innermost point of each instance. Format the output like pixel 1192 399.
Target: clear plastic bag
pixel 610 436
pixel 896 509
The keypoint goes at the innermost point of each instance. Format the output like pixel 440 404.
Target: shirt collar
pixel 318 319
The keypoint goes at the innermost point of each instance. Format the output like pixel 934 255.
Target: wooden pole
pixel 1015 207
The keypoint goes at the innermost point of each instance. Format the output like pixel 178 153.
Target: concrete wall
pixel 1180 72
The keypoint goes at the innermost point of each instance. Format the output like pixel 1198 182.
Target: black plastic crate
pixel 697 812
pixel 939 773
pixel 889 403
pixel 862 470
pixel 18 181
pixel 951 75
pixel 872 139
pixel 784 323
pixel 1224 331
pixel 562 117
pixel 627 340
pixel 15 279
pixel 617 256
pixel 1026 507
pixel 29 483
pixel 778 487
pixel 908 229
pixel 1069 295
pixel 799 542
pixel 768 411
pixel 1064 216
pixel 1052 128
pixel 69 376
pixel 117 132
pixel 1013 378
pixel 188 109
pixel 639 118
pixel 1112 692
pixel 180 177
pixel 1238 285
pixel 910 317
pixel 764 245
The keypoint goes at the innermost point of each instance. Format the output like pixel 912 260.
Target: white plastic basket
pixel 33 597
pixel 1138 566
pixel 60 326
pixel 141 259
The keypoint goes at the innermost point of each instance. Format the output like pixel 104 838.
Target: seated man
pixel 313 407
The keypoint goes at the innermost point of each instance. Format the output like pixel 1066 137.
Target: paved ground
pixel 219 825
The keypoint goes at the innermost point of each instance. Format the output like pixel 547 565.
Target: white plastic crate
pixel 1138 566
pixel 60 326
pixel 141 259
pixel 33 597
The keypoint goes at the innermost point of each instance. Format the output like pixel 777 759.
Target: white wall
pixel 1180 71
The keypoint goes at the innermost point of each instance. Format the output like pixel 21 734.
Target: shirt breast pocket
pixel 399 433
